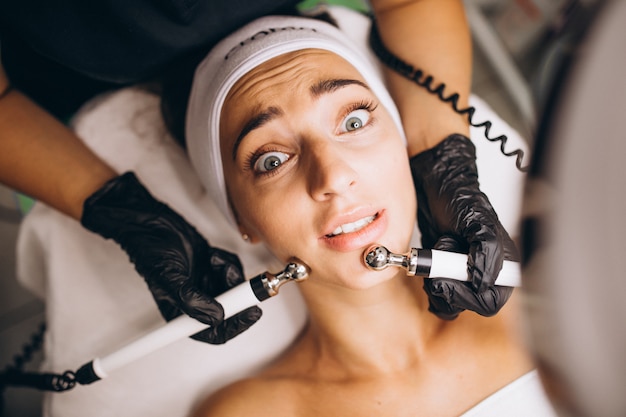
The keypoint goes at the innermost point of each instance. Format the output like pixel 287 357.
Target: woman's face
pixel 315 167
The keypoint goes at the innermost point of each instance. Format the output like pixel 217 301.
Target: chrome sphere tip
pixel 376 257
pixel 297 269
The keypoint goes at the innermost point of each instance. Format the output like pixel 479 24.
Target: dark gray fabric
pixel 62 52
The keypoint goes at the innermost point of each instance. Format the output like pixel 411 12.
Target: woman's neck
pixel 382 329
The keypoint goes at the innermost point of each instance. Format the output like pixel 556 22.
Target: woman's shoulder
pixel 275 391
pixel 232 400
pixel 258 396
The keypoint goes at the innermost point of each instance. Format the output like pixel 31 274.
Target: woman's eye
pixel 356 120
pixel 270 161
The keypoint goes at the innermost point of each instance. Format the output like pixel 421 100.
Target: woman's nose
pixel 330 172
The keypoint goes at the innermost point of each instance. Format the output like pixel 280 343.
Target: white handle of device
pixel 454 265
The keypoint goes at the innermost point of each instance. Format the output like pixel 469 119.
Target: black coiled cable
pixel 14 374
pixel 426 81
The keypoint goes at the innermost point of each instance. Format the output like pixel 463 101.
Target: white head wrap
pixel 239 53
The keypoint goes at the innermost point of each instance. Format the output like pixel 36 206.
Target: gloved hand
pixel 454 215
pixel 182 271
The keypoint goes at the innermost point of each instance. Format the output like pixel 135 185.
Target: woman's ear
pixel 245 235
pixel 248 237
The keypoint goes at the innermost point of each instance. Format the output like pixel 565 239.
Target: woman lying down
pixel 292 131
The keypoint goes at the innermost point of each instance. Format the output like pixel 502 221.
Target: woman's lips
pixel 353 226
pixel 371 232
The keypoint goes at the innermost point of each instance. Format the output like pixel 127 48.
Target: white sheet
pixel 524 397
pixel 96 302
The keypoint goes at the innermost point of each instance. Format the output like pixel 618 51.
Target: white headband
pixel 239 53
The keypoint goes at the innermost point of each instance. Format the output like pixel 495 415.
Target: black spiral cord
pixel 14 374
pixel 426 81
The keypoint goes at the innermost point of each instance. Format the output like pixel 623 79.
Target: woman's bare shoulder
pixel 275 391
pixel 251 396
pixel 233 400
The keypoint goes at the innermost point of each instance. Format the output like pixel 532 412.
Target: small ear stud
pixel 245 237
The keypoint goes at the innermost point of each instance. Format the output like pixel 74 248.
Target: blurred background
pixel 511 38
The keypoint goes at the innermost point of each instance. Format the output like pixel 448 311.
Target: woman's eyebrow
pixel 256 122
pixel 332 85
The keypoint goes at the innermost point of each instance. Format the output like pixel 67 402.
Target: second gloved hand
pixel 182 271
pixel 455 215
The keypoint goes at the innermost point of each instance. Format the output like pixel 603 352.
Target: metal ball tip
pixel 376 257
pixel 299 270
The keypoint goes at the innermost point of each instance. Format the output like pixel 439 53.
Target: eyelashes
pixel 357 116
pixel 369 105
pixel 266 162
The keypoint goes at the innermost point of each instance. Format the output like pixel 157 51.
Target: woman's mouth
pixel 353 227
pixel 357 234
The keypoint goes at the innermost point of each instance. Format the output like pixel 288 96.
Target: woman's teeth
pixel 353 227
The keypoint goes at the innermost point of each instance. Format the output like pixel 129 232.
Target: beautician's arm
pixel 432 35
pixel 453 213
pixel 44 159
pixel 41 157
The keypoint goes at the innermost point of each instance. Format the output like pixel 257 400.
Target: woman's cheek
pixel 268 219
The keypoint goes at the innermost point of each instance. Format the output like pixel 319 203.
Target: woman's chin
pixel 356 279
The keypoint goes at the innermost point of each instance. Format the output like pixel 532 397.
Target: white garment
pixel 523 397
pixel 96 302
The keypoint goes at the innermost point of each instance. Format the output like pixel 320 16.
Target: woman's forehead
pixel 296 69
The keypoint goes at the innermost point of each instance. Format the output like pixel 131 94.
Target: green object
pixel 359 5
pixel 24 202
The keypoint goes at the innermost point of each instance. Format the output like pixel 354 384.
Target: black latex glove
pixel 182 271
pixel 454 215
